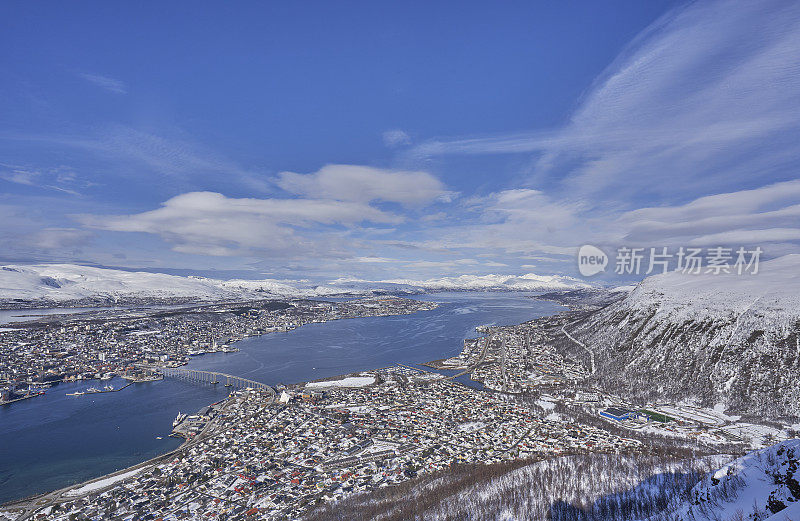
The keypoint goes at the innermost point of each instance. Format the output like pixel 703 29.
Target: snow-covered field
pixel 759 435
pixel 546 405
pixel 350 381
pixel 694 414
pixel 587 488
pixel 102 483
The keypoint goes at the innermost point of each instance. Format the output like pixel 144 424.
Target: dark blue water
pixel 52 441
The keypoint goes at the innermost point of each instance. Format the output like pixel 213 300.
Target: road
pixel 591 353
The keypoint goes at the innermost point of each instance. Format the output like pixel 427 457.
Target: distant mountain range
pixel 731 339
pixel 527 282
pixel 69 282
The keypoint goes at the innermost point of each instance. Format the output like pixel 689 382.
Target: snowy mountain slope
pixel 590 487
pixel 761 486
pixel 64 282
pixel 720 338
pixel 775 289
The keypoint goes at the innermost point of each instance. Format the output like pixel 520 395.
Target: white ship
pixel 179 419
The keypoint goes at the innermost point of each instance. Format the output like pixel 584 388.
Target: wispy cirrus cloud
pixel 130 152
pixel 105 82
pixel 691 134
pixel 703 100
pixel 55 179
pixel 396 137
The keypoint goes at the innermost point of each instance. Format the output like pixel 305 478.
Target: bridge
pixel 209 377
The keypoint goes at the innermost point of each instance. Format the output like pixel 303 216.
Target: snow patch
pixel 350 381
pixel 102 483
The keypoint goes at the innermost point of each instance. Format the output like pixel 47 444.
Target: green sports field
pixel 657 416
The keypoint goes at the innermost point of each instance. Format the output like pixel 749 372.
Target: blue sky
pixel 385 140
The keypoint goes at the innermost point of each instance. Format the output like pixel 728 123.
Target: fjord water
pixel 55 440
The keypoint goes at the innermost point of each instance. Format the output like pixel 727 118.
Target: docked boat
pixel 76 393
pixel 93 390
pixel 179 419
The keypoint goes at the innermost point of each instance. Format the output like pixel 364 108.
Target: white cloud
pixel 514 221
pixel 395 138
pixel 104 82
pixel 378 260
pixel 702 104
pixel 364 184
pixel 748 237
pixel 211 224
pixel 751 216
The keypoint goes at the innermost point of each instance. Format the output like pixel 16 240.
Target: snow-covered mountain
pixel 761 486
pixel 68 282
pixel 527 282
pixel 726 338
pixel 65 282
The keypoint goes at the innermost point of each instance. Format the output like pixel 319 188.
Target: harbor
pixel 105 389
pixel 106 432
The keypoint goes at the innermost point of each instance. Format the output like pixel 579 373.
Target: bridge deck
pixel 212 377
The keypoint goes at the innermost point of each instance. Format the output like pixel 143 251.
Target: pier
pixel 100 391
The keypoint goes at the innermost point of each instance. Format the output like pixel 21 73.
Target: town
pixel 105 343
pixel 276 457
pixel 279 453
pixel 528 359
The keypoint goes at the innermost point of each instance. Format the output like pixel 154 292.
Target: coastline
pixel 31 504
pixel 40 501
pixel 57 493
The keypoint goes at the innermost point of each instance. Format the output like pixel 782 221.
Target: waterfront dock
pixel 101 391
pixel 20 398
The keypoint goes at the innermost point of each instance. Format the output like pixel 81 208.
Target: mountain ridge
pixel 714 338
pixel 67 282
